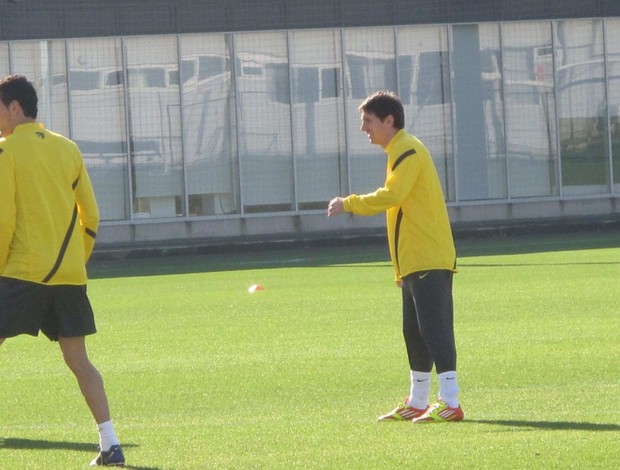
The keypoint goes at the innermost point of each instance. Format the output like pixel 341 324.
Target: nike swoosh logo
pixel 421 380
pixel 422 276
pixel 450 378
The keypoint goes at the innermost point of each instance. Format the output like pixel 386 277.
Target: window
pixel 83 80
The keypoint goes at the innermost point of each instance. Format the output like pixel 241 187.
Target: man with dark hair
pixel 48 221
pixel 423 256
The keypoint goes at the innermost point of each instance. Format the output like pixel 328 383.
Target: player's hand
pixel 399 283
pixel 336 206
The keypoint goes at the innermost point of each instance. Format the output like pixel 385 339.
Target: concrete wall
pixel 283 228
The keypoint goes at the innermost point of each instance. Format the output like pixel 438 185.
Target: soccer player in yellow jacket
pixel 48 222
pixel 423 255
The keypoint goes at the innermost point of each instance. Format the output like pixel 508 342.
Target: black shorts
pixel 57 310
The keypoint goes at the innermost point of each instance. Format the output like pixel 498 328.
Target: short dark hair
pixel 384 103
pixel 18 88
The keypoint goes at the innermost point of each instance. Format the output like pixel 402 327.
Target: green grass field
pixel 202 374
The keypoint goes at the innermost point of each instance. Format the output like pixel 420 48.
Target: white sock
pixel 449 388
pixel 107 436
pixel 420 389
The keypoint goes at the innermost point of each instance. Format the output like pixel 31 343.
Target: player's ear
pixel 14 106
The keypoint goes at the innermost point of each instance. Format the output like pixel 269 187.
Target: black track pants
pixel 428 324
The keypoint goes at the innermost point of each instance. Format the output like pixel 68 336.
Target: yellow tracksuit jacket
pixel 419 232
pixel 48 212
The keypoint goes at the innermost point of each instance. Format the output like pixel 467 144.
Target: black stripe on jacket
pixel 399 217
pixel 65 242
pixel 63 247
pixel 400 159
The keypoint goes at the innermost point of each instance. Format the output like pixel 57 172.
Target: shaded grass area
pixel 330 252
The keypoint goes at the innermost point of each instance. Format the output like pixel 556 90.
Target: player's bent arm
pixel 398 185
pixel 371 203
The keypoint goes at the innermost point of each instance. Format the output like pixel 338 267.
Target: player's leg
pixel 91 385
pixel 88 377
pixel 420 363
pixel 69 321
pixel 432 291
pixel 418 354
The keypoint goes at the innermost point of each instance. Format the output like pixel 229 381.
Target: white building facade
pixel 229 135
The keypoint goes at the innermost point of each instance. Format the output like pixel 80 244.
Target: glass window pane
pixel 369 66
pixel 530 109
pixel 582 113
pixel 493 105
pixel 209 130
pixel 478 106
pixel 265 149
pixel 4 59
pixel 612 28
pixel 98 119
pixel 424 88
pixel 43 63
pixel 318 131
pixel 155 126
